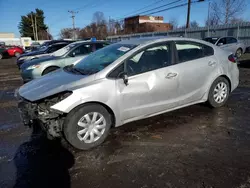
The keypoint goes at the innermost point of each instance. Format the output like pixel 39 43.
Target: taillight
pixel 232 58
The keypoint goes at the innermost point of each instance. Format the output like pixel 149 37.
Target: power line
pixel 177 6
pixel 161 6
pixel 176 1
pixel 143 7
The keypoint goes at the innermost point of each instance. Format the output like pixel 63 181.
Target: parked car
pixel 39 53
pixel 34 46
pixel 228 43
pixel 70 54
pixel 128 81
pixel 14 51
pixel 2 49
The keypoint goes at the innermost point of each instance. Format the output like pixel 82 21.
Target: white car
pixel 229 44
pixel 127 81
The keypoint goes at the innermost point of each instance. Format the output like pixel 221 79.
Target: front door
pixel 151 87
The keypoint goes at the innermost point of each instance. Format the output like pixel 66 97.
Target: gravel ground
pixel 192 147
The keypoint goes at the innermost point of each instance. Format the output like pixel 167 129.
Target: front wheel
pixel 219 92
pixel 239 53
pixel 87 126
pixel 17 54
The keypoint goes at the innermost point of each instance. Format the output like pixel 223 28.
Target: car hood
pixel 52 83
pixel 36 61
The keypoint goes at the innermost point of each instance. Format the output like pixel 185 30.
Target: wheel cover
pixel 238 53
pixel 91 127
pixel 220 92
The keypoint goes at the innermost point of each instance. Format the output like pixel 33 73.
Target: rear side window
pixel 231 40
pixel 188 51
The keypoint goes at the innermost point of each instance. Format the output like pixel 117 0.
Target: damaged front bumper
pixel 50 120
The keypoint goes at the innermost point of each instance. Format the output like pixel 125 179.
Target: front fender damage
pixel 39 112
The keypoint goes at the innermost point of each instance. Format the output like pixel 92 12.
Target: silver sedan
pixel 128 81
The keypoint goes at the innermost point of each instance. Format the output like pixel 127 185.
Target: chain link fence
pixel 240 31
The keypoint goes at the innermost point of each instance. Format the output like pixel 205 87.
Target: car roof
pixel 89 42
pixel 147 40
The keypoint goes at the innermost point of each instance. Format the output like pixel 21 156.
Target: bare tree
pixel 174 23
pixel 194 24
pixel 227 10
pixel 98 18
pixel 213 20
pixel 68 33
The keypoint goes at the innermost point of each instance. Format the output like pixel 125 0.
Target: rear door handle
pixel 171 75
pixel 211 63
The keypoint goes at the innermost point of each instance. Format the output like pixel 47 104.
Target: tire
pixel 71 126
pixel 239 52
pixel 1 56
pixel 49 69
pixel 213 100
pixel 17 54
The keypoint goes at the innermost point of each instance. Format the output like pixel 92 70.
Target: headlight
pixel 33 67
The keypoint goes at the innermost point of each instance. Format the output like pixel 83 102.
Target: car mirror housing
pixel 125 78
pixel 220 44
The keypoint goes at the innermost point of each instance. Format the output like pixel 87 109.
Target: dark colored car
pixel 42 51
pixel 2 49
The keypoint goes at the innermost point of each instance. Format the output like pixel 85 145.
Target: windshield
pixel 98 60
pixel 64 50
pixel 211 40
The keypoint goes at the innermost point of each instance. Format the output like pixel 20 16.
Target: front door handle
pixel 211 63
pixel 171 75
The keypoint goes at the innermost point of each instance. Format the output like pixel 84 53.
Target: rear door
pixel 196 64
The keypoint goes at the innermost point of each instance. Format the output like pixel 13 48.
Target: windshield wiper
pixel 79 71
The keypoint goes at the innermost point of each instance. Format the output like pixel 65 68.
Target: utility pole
pixel 32 24
pixel 188 13
pixel 208 20
pixel 73 20
pixel 36 28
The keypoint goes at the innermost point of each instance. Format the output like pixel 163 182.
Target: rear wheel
pixel 239 53
pixel 17 54
pixel 219 92
pixel 87 126
pixel 49 69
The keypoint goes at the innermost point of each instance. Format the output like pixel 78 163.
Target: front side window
pixel 222 41
pixel 81 50
pixel 64 50
pixel 100 59
pixel 152 58
pixel 212 40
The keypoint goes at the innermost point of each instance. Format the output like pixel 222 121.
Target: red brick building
pixel 141 24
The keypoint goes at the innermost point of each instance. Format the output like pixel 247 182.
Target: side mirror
pixel 125 78
pixel 73 54
pixel 220 44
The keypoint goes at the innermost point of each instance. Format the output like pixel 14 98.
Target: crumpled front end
pixel 40 112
